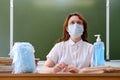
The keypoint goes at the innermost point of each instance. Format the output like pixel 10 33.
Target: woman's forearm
pixel 46 69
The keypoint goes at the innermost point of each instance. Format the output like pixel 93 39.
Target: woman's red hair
pixel 66 35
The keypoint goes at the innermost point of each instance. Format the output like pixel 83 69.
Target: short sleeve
pixel 54 53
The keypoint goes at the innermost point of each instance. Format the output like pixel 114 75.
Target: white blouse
pixel 78 54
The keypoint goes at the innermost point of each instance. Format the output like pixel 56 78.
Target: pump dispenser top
pixel 98 37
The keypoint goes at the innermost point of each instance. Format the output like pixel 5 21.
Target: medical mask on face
pixel 75 30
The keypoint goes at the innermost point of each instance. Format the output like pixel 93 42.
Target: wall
pixel 40 22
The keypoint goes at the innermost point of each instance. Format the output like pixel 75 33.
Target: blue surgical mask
pixel 75 30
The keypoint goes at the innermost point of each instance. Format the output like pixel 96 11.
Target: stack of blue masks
pixel 23 57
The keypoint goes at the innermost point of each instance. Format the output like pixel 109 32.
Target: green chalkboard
pixel 114 29
pixel 40 22
pixel 4 28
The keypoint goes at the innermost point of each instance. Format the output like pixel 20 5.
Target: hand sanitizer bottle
pixel 98 52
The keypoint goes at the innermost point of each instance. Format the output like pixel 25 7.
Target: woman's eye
pixel 72 22
pixel 79 23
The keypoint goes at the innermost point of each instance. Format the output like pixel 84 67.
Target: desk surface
pixel 7 60
pixel 105 76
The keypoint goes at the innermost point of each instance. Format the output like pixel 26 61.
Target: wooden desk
pixel 105 76
pixel 8 61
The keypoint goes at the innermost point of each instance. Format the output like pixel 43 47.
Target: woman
pixel 72 52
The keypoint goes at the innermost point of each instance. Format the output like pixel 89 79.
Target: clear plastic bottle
pixel 98 52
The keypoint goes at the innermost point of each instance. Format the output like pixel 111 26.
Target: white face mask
pixel 75 30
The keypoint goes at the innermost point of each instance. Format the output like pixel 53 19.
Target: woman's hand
pixel 71 68
pixel 60 67
pixel 65 68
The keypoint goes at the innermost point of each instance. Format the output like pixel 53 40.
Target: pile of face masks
pixel 23 58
